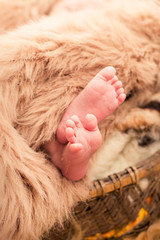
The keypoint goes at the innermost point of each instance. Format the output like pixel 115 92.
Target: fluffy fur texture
pixel 17 13
pixel 44 65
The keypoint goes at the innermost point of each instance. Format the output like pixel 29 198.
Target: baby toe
pixel 76 120
pixel 76 147
pixel 91 122
pixel 106 73
pixel 70 123
pixel 117 85
pixel 119 91
pixel 70 134
pixel 113 80
pixel 121 97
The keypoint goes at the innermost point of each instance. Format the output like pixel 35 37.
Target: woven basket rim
pixel 129 176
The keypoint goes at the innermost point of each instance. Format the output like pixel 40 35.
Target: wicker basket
pixel 115 203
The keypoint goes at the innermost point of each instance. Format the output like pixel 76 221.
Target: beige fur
pixel 43 66
pixel 18 12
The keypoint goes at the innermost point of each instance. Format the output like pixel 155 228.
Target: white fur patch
pixel 119 152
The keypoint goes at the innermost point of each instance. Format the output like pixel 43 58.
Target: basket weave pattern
pixel 116 200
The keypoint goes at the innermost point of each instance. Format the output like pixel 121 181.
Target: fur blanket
pixel 44 64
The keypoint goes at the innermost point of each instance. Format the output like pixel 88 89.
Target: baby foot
pixel 82 143
pixel 102 95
